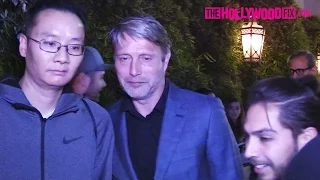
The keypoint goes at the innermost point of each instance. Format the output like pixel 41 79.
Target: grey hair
pixel 304 53
pixel 145 27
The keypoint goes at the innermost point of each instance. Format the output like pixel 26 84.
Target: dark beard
pixel 295 152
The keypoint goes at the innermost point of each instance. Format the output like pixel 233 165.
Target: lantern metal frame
pixel 252 28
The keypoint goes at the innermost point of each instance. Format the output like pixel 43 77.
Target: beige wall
pixel 312 5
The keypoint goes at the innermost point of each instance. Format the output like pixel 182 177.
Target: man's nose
pixel 104 84
pixel 251 149
pixel 295 75
pixel 62 55
pixel 135 68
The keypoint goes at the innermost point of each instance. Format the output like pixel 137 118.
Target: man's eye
pixel 265 139
pixel 49 43
pixel 75 47
pixel 123 58
pixel 147 58
pixel 300 71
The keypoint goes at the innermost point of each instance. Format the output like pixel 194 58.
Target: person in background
pixel 283 117
pixel 312 82
pixel 47 131
pixel 90 80
pixel 235 115
pixel 80 83
pixel 302 63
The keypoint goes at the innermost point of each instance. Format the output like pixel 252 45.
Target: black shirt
pixel 143 135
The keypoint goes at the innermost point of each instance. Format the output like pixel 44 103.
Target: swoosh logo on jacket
pixel 67 141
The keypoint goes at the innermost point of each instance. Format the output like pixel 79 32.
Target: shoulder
pixel 308 151
pixel 195 99
pixel 94 107
pixel 114 110
pixel 304 164
pixel 115 106
pixel 99 113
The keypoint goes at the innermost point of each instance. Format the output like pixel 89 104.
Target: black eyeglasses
pixel 54 46
pixel 299 71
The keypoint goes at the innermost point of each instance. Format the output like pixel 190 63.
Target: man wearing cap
pixel 90 80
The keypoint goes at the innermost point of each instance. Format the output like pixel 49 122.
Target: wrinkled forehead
pixel 135 45
pixel 123 38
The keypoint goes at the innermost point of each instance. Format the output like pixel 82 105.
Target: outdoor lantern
pixel 252 41
pixel 318 62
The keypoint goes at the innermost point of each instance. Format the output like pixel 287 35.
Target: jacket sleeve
pixel 222 151
pixel 105 146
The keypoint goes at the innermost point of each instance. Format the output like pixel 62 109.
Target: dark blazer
pixel 196 141
pixel 305 165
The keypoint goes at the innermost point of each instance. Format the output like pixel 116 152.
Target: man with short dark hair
pixel 302 63
pixel 47 131
pixel 92 70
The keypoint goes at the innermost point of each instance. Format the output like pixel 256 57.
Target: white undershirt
pixel 48 114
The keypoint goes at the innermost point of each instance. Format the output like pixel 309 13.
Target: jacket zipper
pixel 73 109
pixel 43 125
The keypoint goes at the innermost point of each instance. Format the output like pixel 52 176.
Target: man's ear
pixel 315 70
pixel 306 136
pixel 81 83
pixel 23 44
pixel 167 59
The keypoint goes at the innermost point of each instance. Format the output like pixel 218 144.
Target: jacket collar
pixel 11 91
pixel 173 123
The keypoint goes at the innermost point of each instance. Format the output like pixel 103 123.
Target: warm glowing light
pixel 252 41
pixel 318 62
